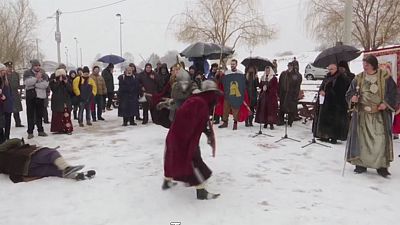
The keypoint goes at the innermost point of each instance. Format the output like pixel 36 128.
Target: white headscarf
pixel 268 77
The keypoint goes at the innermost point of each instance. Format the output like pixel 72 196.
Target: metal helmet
pixel 209 85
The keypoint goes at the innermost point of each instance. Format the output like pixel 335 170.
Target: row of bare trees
pixel 375 22
pixel 17 37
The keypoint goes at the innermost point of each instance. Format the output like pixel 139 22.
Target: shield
pixel 234 89
pixel 206 50
pixel 114 59
pixel 335 55
pixel 259 62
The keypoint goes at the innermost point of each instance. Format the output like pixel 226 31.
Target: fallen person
pixel 24 162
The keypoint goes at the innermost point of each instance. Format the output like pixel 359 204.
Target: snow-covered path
pixel 261 182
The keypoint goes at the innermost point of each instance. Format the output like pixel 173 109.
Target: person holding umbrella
pixel 107 74
pixel 331 119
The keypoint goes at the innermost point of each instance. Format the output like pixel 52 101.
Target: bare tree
pixel 375 22
pixel 225 22
pixel 17 37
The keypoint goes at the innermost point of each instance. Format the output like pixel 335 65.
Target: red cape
pixel 184 136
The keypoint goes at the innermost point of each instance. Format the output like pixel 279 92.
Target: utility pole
pixel 348 22
pixel 37 49
pixel 76 48
pixel 120 32
pixel 66 55
pixel 58 35
pixel 81 57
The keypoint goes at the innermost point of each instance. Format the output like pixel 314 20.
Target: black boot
pixel 246 123
pixel 360 169
pixel 271 126
pixel 333 141
pixel 223 125
pixel 203 194
pixel 383 172
pixel 125 122
pixel 216 120
pixel 167 184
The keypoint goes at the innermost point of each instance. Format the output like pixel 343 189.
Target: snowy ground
pixel 260 181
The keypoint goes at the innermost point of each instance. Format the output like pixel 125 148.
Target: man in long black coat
pixel 289 88
pixel 331 122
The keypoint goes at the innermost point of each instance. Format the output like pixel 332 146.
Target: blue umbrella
pixel 114 59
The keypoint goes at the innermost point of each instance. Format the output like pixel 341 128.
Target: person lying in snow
pixel 24 162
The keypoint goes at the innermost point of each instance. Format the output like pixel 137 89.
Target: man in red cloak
pixel 182 160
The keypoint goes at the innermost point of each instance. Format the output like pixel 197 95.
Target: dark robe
pixel 128 94
pixel 182 160
pixel 289 88
pixel 267 107
pixel 331 118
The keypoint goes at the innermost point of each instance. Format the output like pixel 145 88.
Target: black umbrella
pixel 259 62
pixel 206 50
pixel 336 54
pixel 114 59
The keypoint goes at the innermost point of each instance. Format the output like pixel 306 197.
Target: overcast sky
pixel 145 29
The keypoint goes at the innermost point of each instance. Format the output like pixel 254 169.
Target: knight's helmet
pixel 183 79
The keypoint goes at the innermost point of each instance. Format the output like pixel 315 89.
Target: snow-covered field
pixel 260 181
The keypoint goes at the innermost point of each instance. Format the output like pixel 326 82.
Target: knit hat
pixel 35 62
pixel 60 72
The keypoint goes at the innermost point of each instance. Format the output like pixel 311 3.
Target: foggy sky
pixel 145 29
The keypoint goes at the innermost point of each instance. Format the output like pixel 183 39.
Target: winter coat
pixel 251 88
pixel 84 88
pixel 289 88
pixel 267 107
pixel 39 87
pixel 61 95
pixel 149 84
pixel 128 95
pixel 100 84
pixel 109 79
pixel 183 137
pixel 15 158
pixel 14 80
pixel 332 120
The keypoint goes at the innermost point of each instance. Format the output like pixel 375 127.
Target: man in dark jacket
pixel 149 85
pixel 289 88
pixel 107 74
pixel 36 82
pixel 14 79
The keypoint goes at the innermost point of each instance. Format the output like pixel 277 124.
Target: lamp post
pixel 66 56
pixel 120 32
pixel 76 49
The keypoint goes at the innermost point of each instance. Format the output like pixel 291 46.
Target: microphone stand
pixel 286 135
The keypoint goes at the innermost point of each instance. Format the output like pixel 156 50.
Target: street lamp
pixel 120 32
pixel 66 55
pixel 76 48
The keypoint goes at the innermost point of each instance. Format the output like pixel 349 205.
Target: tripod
pixel 286 135
pixel 261 133
pixel 313 141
